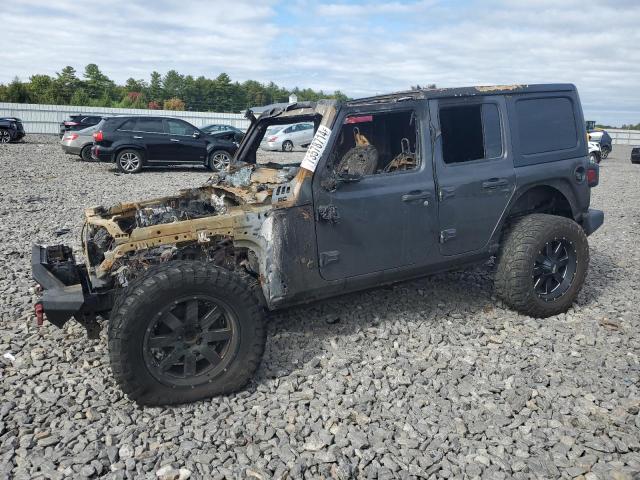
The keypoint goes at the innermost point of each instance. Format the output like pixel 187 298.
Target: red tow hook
pixel 39 314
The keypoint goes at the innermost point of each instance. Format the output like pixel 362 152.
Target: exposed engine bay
pixel 202 223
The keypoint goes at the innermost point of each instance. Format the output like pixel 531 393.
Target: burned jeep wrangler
pixel 392 187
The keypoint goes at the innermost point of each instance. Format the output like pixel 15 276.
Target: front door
pixel 381 214
pixel 182 146
pixel 474 170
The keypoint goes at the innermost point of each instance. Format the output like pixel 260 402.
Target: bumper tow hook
pixel 39 309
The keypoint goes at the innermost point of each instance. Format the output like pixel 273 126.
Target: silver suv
pixel 288 137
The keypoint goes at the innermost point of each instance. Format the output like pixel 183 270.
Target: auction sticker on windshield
pixel 316 148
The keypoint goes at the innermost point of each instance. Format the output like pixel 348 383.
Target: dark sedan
pixel 11 129
pixel 635 155
pixel 79 121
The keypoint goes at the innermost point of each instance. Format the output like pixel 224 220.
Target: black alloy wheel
pixel 190 341
pixel 554 269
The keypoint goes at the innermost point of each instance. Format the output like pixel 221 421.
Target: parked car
pixel 288 137
pixel 79 143
pixel 79 121
pixel 133 142
pixel 635 155
pixel 595 154
pixel 11 129
pixel 392 188
pixel 215 128
pixel 603 139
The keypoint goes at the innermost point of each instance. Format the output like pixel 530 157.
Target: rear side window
pixel 151 125
pixel 129 125
pixel 470 132
pixel 546 125
pixel 178 127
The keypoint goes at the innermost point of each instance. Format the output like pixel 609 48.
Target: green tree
pixel 17 92
pixel 155 92
pixel 64 85
pixel 97 84
pixel 41 89
pixel 173 84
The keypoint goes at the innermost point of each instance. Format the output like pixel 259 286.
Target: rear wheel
pixel 219 160
pixel 85 153
pixel 129 161
pixel 186 331
pixel 605 152
pixel 542 265
pixel 5 136
pixel 287 146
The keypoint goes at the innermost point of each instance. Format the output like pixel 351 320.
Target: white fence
pixel 624 137
pixel 47 118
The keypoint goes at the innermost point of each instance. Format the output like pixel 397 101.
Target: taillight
pixel 98 136
pixel 71 124
pixel 593 176
pixel 73 136
pixel 272 139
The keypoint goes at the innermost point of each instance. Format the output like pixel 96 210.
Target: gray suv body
pixel 391 188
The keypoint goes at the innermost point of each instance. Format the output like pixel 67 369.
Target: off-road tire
pixel 85 153
pixel 520 246
pixel 287 146
pixel 129 151
pixel 135 308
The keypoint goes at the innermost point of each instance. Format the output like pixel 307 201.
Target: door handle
pixel 494 183
pixel 138 137
pixel 417 195
pixel 175 140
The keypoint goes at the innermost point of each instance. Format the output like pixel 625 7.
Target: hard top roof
pixel 425 93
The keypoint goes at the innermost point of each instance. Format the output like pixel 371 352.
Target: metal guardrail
pixel 624 137
pixel 38 118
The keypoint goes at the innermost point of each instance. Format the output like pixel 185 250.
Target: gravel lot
pixel 429 379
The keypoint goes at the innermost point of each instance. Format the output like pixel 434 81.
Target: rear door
pixel 182 146
pixel 475 175
pixel 150 133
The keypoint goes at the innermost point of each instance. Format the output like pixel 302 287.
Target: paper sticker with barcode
pixel 317 146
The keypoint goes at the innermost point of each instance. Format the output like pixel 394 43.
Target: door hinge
pixel 448 234
pixel 331 256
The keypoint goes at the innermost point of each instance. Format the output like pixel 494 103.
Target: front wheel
pixel 594 157
pixel 129 161
pixel 5 136
pixel 542 265
pixel 186 331
pixel 605 152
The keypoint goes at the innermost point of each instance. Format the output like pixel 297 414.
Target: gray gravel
pixel 427 379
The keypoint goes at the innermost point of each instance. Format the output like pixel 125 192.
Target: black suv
pixel 133 142
pixel 79 121
pixel 11 129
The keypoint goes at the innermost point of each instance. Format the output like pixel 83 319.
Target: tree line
pixel 171 91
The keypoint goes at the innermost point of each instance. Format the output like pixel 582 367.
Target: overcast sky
pixel 359 47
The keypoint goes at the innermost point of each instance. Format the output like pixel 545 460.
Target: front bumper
pixel 66 288
pixel 592 220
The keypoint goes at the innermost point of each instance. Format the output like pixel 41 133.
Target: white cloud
pixel 359 48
